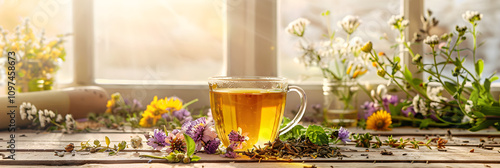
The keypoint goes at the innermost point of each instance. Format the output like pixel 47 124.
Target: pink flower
pixel 175 141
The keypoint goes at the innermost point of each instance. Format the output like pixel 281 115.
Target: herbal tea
pixel 258 112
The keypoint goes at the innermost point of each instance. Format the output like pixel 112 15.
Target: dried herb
pixel 293 148
pixel 70 147
pixel 385 152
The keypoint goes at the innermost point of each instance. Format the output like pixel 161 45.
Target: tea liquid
pixel 257 112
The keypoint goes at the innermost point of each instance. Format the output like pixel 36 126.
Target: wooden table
pixel 37 149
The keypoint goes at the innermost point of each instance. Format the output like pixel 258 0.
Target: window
pixel 54 17
pixel 374 18
pixel 157 42
pixel 449 14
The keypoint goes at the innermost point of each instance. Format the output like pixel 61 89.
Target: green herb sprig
pixel 97 147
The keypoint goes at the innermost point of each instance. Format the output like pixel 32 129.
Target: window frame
pixel 249 50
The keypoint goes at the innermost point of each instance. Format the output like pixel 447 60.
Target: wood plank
pixel 453 154
pixel 276 165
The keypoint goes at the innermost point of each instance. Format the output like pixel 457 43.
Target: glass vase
pixel 35 75
pixel 340 103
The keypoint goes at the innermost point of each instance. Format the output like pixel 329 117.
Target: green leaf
pixel 295 132
pixel 107 141
pixel 407 74
pixel 122 145
pixel 286 120
pixel 451 86
pixel 425 123
pixel 97 143
pixel 195 158
pixel 396 59
pixel 483 125
pixel 494 78
pixel 102 150
pixel 171 157
pixel 317 135
pixel 190 145
pixel 479 66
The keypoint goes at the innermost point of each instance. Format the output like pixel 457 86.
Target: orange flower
pixel 380 121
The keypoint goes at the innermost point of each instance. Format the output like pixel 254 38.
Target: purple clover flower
pixel 157 141
pixel 344 135
pixel 230 153
pixel 200 131
pixel 389 99
pixel 235 137
pixel 369 108
pixel 182 115
pixel 407 111
pixel 212 146
pixel 175 141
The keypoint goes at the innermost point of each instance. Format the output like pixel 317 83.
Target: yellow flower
pixel 174 104
pixel 149 120
pixel 367 48
pixel 380 121
pixel 158 107
pixel 112 102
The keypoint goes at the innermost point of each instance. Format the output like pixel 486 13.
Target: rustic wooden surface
pixel 37 149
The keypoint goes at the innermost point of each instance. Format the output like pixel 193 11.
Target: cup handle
pixel 300 113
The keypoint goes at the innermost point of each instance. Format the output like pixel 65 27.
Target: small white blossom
pixel 468 106
pixel 41 118
pixel 33 110
pixel 297 27
pixel 419 105
pixel 70 123
pixel 349 23
pixel 30 117
pixel 52 114
pixel 372 93
pixel 23 115
pixel 381 90
pixel 466 119
pixel 431 40
pixel 395 19
pixel 472 16
pixel 405 23
pixel 398 22
pixel 434 94
pixel 46 113
pixel 59 118
pixel 22 108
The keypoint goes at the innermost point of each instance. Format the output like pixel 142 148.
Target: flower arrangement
pixel 469 106
pixel 38 59
pixel 341 62
pixel 339 59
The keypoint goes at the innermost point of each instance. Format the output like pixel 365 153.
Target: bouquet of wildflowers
pixel 339 59
pixel 469 106
pixel 37 60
